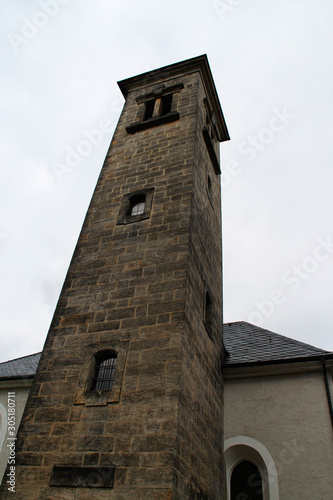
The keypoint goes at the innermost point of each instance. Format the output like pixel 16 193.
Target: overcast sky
pixel 272 66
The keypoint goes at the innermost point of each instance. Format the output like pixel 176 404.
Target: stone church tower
pixel 127 402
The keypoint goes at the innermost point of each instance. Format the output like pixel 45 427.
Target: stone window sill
pixel 152 122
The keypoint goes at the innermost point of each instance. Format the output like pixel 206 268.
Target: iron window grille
pixel 105 368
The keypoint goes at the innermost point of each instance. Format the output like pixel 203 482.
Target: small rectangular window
pixel 157 107
pixel 137 205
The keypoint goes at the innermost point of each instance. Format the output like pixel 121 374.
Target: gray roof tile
pixel 20 367
pixel 244 342
pixel 247 343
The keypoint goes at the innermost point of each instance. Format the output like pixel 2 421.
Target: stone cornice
pixel 182 68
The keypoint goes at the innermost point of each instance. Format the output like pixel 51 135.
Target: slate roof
pixel 20 367
pixel 246 343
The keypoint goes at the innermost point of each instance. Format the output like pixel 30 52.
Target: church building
pixel 135 395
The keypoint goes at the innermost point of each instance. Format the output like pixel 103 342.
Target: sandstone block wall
pixel 138 288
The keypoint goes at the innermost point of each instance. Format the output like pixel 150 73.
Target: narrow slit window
pixel 209 187
pixel 137 205
pixel 208 311
pixel 166 104
pixel 149 109
pixel 105 367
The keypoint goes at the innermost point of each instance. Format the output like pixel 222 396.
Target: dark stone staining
pixel 82 477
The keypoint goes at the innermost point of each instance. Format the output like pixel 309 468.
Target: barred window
pixel 105 366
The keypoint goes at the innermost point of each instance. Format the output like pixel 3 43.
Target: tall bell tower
pixel 127 402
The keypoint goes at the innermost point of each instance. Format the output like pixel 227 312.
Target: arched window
pixel 246 482
pixel 105 366
pixel 137 205
pixel 250 469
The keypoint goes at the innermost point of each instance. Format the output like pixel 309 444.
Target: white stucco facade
pixel 20 388
pixel 278 418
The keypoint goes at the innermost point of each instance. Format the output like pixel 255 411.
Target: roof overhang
pixel 277 367
pixel 16 382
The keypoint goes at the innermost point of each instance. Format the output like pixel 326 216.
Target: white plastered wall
pixel 288 415
pixel 21 389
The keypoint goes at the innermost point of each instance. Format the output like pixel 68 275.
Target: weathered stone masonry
pixel 149 288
